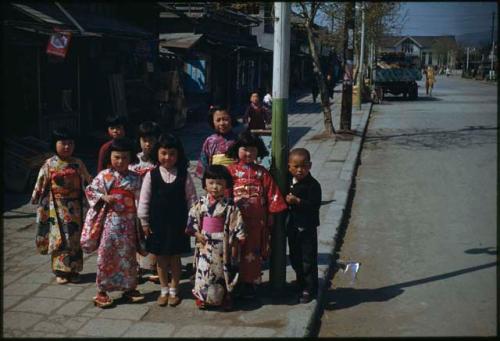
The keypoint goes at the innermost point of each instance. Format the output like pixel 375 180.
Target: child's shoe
pixel 102 300
pixel 162 300
pixel 173 300
pixel 200 304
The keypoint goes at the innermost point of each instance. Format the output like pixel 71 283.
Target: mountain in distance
pixel 476 39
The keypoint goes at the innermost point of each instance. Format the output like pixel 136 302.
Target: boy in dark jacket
pixel 304 201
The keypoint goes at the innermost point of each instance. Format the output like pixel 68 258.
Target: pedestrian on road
pixel 116 128
pixel 256 115
pixel 116 189
pixel 314 89
pixel 258 197
pixel 430 79
pixel 304 200
pixel 217 224
pixel 166 194
pixel 148 132
pixel 216 145
pixel 59 194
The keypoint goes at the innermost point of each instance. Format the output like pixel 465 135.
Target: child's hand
pixel 109 199
pixel 200 238
pixel 292 199
pixel 147 230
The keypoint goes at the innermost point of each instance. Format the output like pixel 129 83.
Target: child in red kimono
pixel 257 196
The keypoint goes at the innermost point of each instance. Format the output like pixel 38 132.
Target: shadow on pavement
pixel 13 200
pixel 423 98
pixel 341 298
pixel 295 134
pixel 299 108
pixel 483 250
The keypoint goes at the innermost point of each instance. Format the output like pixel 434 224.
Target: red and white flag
pixel 58 43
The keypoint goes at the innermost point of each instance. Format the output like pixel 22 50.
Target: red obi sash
pixel 124 198
pixel 213 224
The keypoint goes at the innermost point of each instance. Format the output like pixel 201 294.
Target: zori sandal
pixel 102 301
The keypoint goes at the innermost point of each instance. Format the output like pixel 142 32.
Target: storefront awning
pixel 179 40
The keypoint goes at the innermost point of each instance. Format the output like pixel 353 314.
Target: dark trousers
pixel 304 257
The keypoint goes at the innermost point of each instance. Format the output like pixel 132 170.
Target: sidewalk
pixel 35 306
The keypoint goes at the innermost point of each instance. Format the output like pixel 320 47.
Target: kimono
pixel 116 255
pixel 256 195
pixel 58 193
pixel 256 116
pixel 215 273
pixel 145 262
pixel 213 150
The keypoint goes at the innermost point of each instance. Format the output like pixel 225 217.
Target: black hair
pixel 247 139
pixel 171 141
pixel 302 152
pixel 113 121
pixel 121 144
pixel 60 134
pixel 213 109
pixel 217 172
pixel 149 129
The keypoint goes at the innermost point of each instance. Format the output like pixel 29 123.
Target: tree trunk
pixel 323 89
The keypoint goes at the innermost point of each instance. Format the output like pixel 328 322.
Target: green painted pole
pixel 279 152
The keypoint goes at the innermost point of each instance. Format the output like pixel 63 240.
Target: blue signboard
pixel 195 81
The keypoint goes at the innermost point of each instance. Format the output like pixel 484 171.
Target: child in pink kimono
pixel 117 189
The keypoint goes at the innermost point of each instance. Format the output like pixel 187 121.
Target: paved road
pixel 423 220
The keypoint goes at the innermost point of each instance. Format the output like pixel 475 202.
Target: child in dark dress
pixel 304 201
pixel 166 194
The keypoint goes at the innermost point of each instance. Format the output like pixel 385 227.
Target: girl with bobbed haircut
pixel 61 134
pixel 217 172
pixel 171 141
pixel 247 139
pixel 121 144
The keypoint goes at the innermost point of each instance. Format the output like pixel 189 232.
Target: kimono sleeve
pixel 42 183
pixel 194 220
pixel 203 160
pixel 236 226
pixel 96 189
pixel 275 201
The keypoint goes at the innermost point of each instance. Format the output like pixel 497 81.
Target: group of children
pixel 151 195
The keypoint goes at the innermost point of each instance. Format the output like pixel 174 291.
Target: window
pixel 268 20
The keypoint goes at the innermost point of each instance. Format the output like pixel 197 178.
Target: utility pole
pixel 346 111
pixel 492 43
pixel 467 65
pixel 360 77
pixel 279 151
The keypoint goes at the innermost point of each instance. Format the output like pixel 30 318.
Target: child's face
pixel 254 98
pixel 222 122
pixel 65 148
pixel 147 144
pixel 167 157
pixel 120 160
pixel 299 167
pixel 247 154
pixel 215 187
pixel 116 131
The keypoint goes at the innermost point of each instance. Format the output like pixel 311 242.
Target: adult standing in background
pixel 430 79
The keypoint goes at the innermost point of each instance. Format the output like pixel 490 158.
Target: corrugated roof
pixel 179 40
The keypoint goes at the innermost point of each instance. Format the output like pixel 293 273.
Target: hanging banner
pixel 58 44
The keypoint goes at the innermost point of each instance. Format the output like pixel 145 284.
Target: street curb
pixel 327 241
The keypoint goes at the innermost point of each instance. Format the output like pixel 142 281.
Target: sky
pixel 448 18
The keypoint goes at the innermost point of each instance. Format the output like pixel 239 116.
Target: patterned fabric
pixel 213 150
pixel 116 255
pixel 58 193
pixel 214 275
pixel 256 194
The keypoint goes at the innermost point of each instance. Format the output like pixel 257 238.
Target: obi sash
pixel 125 200
pixel 213 224
pixel 221 159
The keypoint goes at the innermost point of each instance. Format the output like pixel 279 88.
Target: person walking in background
pixel 256 116
pixel 116 189
pixel 166 194
pixel 257 196
pixel 59 194
pixel 218 226
pixel 304 200
pixel 148 132
pixel 116 129
pixel 430 80
pixel 314 89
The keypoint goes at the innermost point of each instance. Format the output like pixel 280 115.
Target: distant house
pixel 432 50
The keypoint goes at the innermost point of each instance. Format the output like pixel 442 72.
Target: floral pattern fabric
pixel 256 195
pixel 214 270
pixel 116 255
pixel 213 150
pixel 59 195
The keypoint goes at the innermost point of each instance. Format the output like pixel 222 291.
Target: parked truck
pixel 396 73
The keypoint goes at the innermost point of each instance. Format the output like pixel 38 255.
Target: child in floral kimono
pixel 149 132
pixel 167 192
pixel 217 144
pixel 257 196
pixel 115 190
pixel 59 194
pixel 217 225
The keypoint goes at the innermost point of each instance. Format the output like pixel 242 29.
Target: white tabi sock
pixel 164 291
pixel 173 291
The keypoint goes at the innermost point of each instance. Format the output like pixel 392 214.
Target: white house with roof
pixel 432 50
